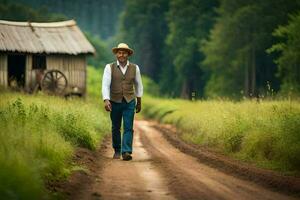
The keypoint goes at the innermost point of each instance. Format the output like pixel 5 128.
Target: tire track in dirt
pixel 190 179
pixel 135 179
pixel 158 171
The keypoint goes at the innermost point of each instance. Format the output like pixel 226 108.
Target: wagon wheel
pixel 54 82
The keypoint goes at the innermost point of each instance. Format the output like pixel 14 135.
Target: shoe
pixel 117 155
pixel 126 156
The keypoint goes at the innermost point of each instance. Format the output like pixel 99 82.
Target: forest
pixel 228 48
pixel 200 49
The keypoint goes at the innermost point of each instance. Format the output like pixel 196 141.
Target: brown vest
pixel 122 85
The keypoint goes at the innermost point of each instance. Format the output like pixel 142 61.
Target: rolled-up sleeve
pixel 138 83
pixel 106 82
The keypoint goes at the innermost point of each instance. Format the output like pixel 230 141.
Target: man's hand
pixel 138 106
pixel 107 105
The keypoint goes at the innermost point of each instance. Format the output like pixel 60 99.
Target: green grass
pixel 265 133
pixel 38 137
pixel 39 133
pixel 94 81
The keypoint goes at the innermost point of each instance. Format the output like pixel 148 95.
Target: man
pixel 122 90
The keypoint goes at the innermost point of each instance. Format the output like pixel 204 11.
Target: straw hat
pixel 122 46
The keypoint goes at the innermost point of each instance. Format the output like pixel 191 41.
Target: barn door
pixel 16 70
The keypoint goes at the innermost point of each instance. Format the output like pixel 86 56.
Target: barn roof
pixel 55 37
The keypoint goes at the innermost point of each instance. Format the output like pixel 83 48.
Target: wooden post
pixel 3 70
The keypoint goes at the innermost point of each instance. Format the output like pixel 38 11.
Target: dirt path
pixel 136 179
pixel 160 171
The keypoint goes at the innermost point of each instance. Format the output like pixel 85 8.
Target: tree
pixel 19 12
pixel 189 23
pixel 143 26
pixel 102 56
pixel 235 53
pixel 289 60
pixel 98 17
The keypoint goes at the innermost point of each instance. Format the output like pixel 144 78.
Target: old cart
pixel 54 82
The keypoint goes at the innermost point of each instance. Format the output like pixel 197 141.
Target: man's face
pixel 122 56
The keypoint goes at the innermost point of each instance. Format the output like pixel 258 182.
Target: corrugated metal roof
pixel 55 37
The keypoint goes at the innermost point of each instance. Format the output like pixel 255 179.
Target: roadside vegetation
pixel 40 133
pixel 265 133
pixel 38 137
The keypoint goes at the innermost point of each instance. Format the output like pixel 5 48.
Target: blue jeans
pixel 126 111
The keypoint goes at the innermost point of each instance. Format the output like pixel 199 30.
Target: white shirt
pixel 106 81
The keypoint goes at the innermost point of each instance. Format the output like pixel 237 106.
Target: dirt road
pixel 160 171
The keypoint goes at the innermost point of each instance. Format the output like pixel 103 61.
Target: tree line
pixel 216 48
pixel 19 11
pixel 207 48
pixel 98 17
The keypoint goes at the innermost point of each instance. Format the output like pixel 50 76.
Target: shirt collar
pixel 118 64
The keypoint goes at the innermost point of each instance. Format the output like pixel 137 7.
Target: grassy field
pixel 40 133
pixel 265 133
pixel 38 137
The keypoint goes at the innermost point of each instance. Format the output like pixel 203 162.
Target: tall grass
pixel 94 82
pixel 37 139
pixel 266 133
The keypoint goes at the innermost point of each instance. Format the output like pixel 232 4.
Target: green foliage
pixel 210 53
pixel 98 17
pixel 189 23
pixel 288 62
pixel 15 174
pixel 94 81
pixel 149 86
pixel 235 52
pixel 212 48
pixel 37 139
pixel 265 133
pixel 103 54
pixel 20 12
pixel 143 27
pixel 73 127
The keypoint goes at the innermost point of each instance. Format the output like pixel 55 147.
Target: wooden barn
pixel 47 56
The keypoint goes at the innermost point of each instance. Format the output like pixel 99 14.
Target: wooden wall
pixel 74 68
pixel 29 76
pixel 3 70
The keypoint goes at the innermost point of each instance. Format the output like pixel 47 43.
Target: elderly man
pixel 122 90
